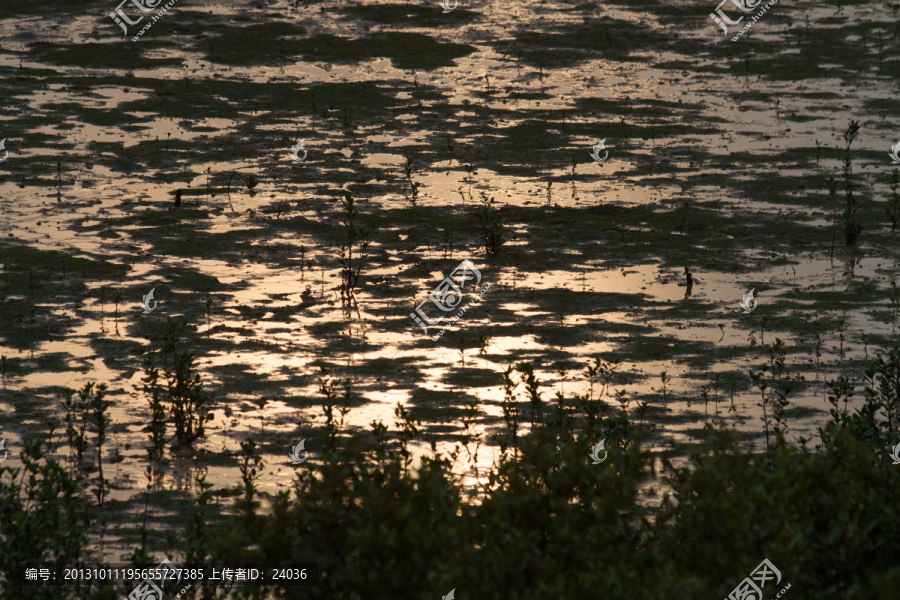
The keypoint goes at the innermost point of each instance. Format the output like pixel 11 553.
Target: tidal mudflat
pixel 171 164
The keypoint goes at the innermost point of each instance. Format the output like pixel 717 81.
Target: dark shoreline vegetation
pixel 543 519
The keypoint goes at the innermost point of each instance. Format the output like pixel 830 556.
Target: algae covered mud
pixel 297 182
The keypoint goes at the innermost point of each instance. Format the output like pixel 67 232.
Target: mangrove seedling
pixel 665 379
pixel 351 267
pixel 492 231
pixel 413 185
pixel 526 372
pixel 852 228
pixel 98 406
pixel 446 242
pixel 893 207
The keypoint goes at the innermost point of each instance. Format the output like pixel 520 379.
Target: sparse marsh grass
pixel 180 386
pixel 511 131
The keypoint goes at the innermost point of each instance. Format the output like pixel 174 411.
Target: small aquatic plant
pixel 333 426
pixel 449 151
pixel 492 230
pixel 354 236
pixel 76 423
pixel 842 388
pixel 469 416
pixel 842 336
pixel 852 228
pixel 93 399
pixel 574 164
pixel 446 242
pixel 118 299
pixel 408 431
pixel 526 372
pixel 759 380
pixel 893 207
pixel 157 428
pixel 186 397
pixel 102 308
pixel 782 385
pixel 251 463
pixel 261 407
pixel 510 413
pixel 413 186
pixel 705 395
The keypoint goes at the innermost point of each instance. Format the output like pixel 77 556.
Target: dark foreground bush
pixel 555 525
pixel 43 518
pixel 547 523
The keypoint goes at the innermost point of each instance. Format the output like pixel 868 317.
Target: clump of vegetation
pixel 546 517
pixel 181 389
pixel 94 400
pixel 333 425
pixel 351 267
pixel 43 518
pixel 447 242
pixel 492 230
pixel 157 428
pixel 413 186
pixel 547 495
pixel 852 229
pixel 775 385
pixel 526 371
pixel 251 463
pixel 77 415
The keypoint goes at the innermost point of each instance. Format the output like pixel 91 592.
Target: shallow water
pixel 718 152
